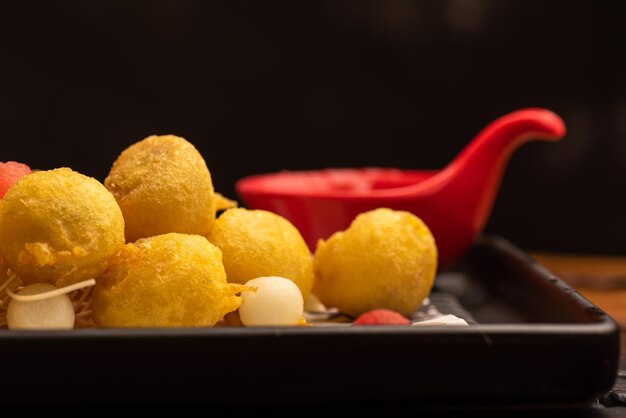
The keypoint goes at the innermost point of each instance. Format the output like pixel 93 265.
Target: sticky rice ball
pixel 59 227
pixel 163 185
pixel 171 280
pixel 271 301
pixel 258 243
pixel 55 312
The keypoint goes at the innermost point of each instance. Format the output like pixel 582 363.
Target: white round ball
pixel 53 313
pixel 276 302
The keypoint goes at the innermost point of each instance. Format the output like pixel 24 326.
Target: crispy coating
pixel 59 227
pixel 171 280
pixel 386 259
pixel 257 243
pixel 163 185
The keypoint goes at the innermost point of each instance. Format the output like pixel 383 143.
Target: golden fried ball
pixel 163 185
pixel 386 259
pixel 59 227
pixel 257 243
pixel 171 280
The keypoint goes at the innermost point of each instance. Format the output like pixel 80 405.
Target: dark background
pixel 261 86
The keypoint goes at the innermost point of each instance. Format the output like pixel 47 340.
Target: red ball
pixel 9 173
pixel 381 317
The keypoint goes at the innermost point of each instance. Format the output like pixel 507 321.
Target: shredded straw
pixel 51 293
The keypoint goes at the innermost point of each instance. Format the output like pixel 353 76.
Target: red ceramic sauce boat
pixel 455 202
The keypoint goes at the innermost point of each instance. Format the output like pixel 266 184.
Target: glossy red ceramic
pixel 455 202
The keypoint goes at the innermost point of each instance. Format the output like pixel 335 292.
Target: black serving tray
pixel 532 340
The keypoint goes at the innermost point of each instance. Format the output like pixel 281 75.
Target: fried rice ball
pixel 163 185
pixel 386 259
pixel 59 227
pixel 258 243
pixel 171 280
